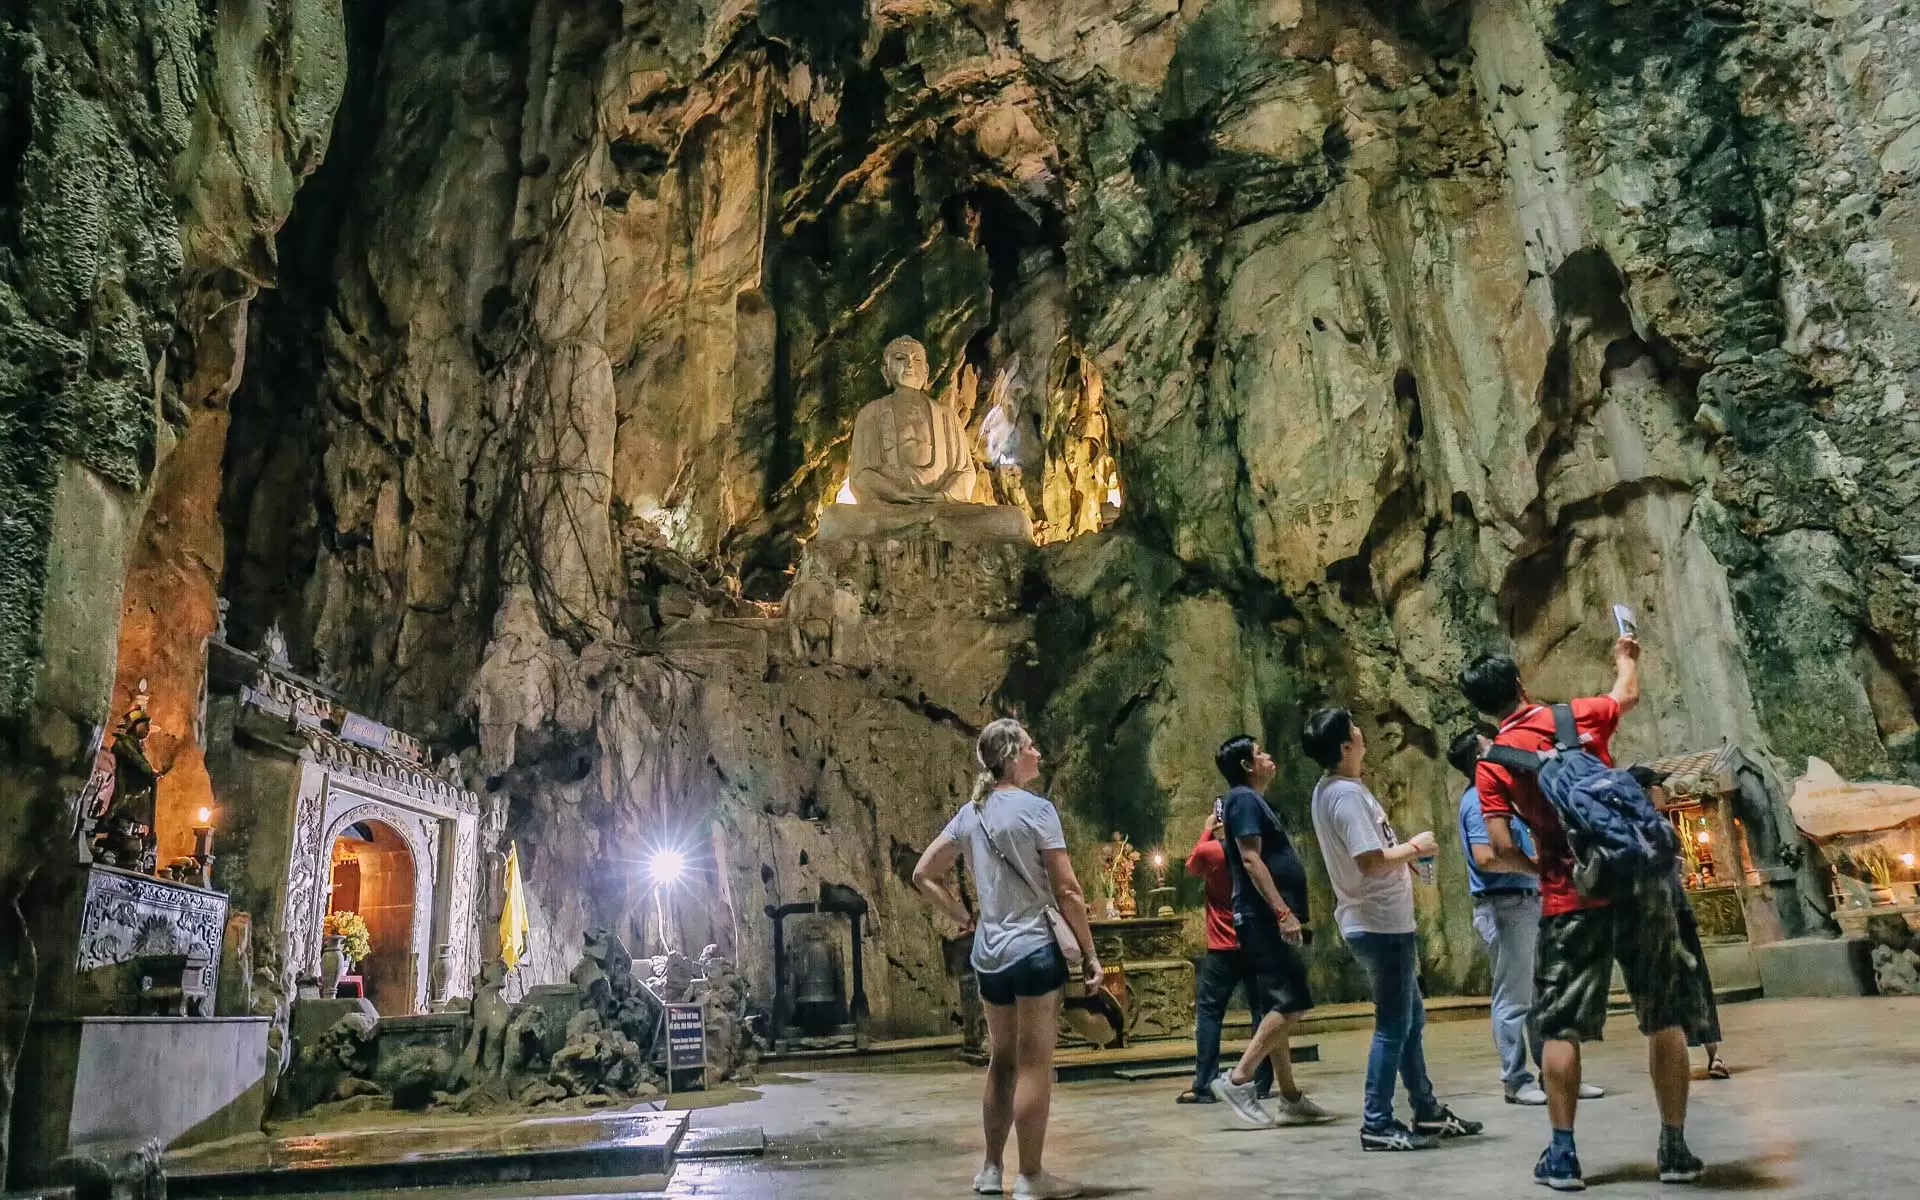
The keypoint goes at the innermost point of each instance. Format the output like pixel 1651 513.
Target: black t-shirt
pixel 1246 814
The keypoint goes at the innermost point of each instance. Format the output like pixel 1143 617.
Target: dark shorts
pixel 1275 972
pixel 1037 974
pixel 1573 968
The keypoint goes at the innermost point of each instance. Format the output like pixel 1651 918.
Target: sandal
pixel 1192 1097
pixel 1717 1068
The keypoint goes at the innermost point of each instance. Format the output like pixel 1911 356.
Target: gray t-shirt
pixel 1012 921
pixel 1348 821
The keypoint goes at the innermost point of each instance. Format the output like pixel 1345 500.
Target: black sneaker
pixel 1443 1123
pixel 1561 1172
pixel 1395 1137
pixel 1680 1165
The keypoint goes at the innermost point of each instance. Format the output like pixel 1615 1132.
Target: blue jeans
pixel 1392 961
pixel 1222 972
pixel 1510 926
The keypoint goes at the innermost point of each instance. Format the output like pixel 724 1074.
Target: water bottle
pixel 1424 865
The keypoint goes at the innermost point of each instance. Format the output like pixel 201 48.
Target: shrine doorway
pixel 373 875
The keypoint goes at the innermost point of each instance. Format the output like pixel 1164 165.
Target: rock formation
pixel 1392 330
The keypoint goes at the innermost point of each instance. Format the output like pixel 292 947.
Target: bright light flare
pixel 1159 859
pixel 204 816
pixel 1906 860
pixel 1703 837
pixel 667 866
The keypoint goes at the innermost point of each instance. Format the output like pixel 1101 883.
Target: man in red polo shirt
pixel 1222 972
pixel 1581 937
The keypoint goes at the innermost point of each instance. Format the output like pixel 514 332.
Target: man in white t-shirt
pixel 1372 874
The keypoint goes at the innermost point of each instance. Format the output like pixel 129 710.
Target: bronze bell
pixel 815 980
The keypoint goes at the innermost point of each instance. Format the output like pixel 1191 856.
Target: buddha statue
pixel 909 448
pixel 912 470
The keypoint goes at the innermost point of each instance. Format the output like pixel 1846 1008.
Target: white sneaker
pixel 1044 1186
pixel 1244 1101
pixel 1529 1095
pixel 987 1182
pixel 1591 1091
pixel 1302 1111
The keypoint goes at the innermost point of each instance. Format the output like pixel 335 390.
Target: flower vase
pixel 333 964
pixel 441 971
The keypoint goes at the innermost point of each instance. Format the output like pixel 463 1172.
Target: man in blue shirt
pixel 1506 914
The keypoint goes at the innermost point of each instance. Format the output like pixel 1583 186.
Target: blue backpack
pixel 1617 835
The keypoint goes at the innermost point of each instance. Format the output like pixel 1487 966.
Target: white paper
pixel 1623 620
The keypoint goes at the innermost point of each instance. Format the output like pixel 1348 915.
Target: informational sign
pixel 686 1037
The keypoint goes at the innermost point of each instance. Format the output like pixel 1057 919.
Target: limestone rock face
pixel 1360 337
pixel 1395 331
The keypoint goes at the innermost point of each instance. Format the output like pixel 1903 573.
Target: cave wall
pixel 149 153
pixel 1409 329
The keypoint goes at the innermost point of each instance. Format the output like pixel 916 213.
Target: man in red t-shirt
pixel 1221 971
pixel 1581 937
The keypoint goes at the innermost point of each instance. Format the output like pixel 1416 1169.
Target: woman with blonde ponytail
pixel 1017 855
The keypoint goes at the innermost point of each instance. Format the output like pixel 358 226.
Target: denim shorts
pixel 1037 974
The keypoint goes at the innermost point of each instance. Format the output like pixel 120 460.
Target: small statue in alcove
pixel 1011 435
pixel 126 831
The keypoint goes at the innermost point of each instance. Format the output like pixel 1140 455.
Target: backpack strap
pixel 1566 735
pixel 1514 759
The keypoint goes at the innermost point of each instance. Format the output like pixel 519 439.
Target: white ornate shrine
pixel 345 814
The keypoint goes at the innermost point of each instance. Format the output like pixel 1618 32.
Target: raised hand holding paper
pixel 1623 618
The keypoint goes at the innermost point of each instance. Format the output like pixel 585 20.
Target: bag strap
pixel 1515 759
pixel 1045 894
pixel 1566 734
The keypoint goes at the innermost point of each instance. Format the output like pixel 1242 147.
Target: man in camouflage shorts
pixel 1581 937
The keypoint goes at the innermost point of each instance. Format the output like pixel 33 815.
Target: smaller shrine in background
pixel 1869 834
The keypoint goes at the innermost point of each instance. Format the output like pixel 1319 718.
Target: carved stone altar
pixel 1149 972
pixel 103 920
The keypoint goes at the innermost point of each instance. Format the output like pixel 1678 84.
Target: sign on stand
pixel 686 1040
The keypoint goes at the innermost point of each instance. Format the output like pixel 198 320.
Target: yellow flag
pixel 513 914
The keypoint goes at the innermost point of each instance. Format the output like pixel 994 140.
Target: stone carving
pixel 912 469
pixel 523 1046
pixel 1719 911
pixel 464 949
pixel 126 916
pixel 909 448
pixel 306 876
pixel 1011 436
pixel 389 772
pixel 486 1045
pixel 126 837
pixel 1159 999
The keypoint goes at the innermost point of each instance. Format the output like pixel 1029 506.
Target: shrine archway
pixel 378 868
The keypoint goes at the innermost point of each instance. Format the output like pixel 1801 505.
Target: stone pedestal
pixel 967 524
pixel 1815 967
pixel 103 1086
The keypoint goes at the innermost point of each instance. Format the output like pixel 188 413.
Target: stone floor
pixel 1824 1101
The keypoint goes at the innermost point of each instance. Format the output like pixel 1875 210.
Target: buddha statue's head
pixel 904 363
